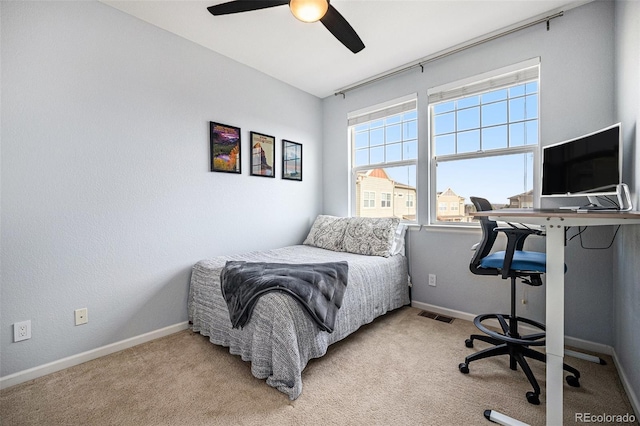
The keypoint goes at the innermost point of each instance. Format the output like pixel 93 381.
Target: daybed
pixel 281 337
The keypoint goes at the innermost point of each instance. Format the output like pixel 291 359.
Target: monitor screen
pixel 587 165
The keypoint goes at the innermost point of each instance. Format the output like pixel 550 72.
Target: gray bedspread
pixel 281 337
pixel 318 287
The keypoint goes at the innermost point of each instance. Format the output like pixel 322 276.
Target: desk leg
pixel 555 322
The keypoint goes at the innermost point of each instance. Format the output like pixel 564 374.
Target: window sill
pixel 443 228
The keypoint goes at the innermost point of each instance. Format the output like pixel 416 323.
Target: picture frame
pixel 226 148
pixel 291 160
pixel 263 154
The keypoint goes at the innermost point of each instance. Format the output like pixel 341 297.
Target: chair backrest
pixel 489 236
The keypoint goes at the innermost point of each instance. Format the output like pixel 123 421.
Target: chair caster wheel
pixel 533 398
pixel 468 343
pixel 573 381
pixel 464 368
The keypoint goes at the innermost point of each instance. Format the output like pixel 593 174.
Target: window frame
pixel 472 86
pixel 377 112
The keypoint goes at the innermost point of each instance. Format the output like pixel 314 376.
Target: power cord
pixel 581 229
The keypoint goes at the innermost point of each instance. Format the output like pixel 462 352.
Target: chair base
pixel 509 342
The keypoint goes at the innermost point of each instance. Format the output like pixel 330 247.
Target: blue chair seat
pixel 522 261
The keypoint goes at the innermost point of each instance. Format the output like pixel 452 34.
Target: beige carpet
pixel 400 370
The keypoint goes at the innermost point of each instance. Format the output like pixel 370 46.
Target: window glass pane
pixel 410 150
pixel 392 120
pixel 445 145
pixel 495 113
pixel 532 106
pixel 396 189
pixel 468 118
pixel 362 157
pixel 376 137
pixel 494 137
pixel 516 91
pixel 410 130
pixel 516 134
pixel 494 96
pixel 469 101
pixel 394 152
pixel 362 127
pixel 510 183
pixel 532 87
pixel 362 140
pixel 444 107
pixel 469 141
pixel 394 134
pixel 376 155
pixel 410 115
pixel 516 109
pixel 444 123
pixel 531 132
pixel 376 124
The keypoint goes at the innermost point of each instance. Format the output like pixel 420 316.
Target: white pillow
pixel 397 247
pixel 327 232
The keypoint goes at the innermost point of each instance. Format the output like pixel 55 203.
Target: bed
pixel 281 337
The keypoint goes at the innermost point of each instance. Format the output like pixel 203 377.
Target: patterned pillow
pixel 327 232
pixel 370 236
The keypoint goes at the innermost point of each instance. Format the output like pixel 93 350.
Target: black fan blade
pixel 340 28
pixel 243 6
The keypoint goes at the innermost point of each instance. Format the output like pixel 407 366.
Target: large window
pixel 484 137
pixel 384 153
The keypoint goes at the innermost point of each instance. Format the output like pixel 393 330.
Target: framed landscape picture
pixel 225 148
pixel 263 154
pixel 291 160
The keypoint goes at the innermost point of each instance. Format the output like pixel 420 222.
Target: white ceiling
pixel 307 56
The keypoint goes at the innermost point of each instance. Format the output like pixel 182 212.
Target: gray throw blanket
pixel 319 287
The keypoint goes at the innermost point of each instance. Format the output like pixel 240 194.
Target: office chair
pixel 513 263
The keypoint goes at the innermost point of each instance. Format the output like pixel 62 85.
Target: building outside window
pixel 384 153
pixel 484 139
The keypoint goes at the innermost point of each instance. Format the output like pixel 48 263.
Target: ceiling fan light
pixel 309 10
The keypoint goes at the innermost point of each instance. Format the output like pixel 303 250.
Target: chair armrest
pixel 515 241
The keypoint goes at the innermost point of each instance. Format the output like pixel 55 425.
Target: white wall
pixel 627 264
pixel 576 96
pixel 107 198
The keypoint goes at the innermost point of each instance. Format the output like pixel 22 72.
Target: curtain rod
pixel 437 56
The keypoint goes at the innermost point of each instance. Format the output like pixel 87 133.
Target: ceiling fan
pixel 304 10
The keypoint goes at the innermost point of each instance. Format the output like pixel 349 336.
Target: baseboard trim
pixel 61 364
pixel 568 340
pixel 633 397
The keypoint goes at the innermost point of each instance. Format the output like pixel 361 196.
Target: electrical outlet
pixel 22 331
pixel 432 280
pixel 81 316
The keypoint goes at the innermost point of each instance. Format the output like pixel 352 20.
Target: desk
pixel 556 221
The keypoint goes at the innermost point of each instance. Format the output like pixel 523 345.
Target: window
pixel 410 201
pixel 484 136
pixel 384 155
pixel 385 200
pixel 369 200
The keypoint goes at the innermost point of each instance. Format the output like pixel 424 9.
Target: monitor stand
pixel 622 194
pixel 624 201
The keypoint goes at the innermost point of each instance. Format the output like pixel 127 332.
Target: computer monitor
pixel 589 165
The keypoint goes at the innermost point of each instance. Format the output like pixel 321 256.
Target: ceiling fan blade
pixel 243 6
pixel 340 28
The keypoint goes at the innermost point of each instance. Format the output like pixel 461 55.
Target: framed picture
pixel 225 148
pixel 291 160
pixel 263 154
